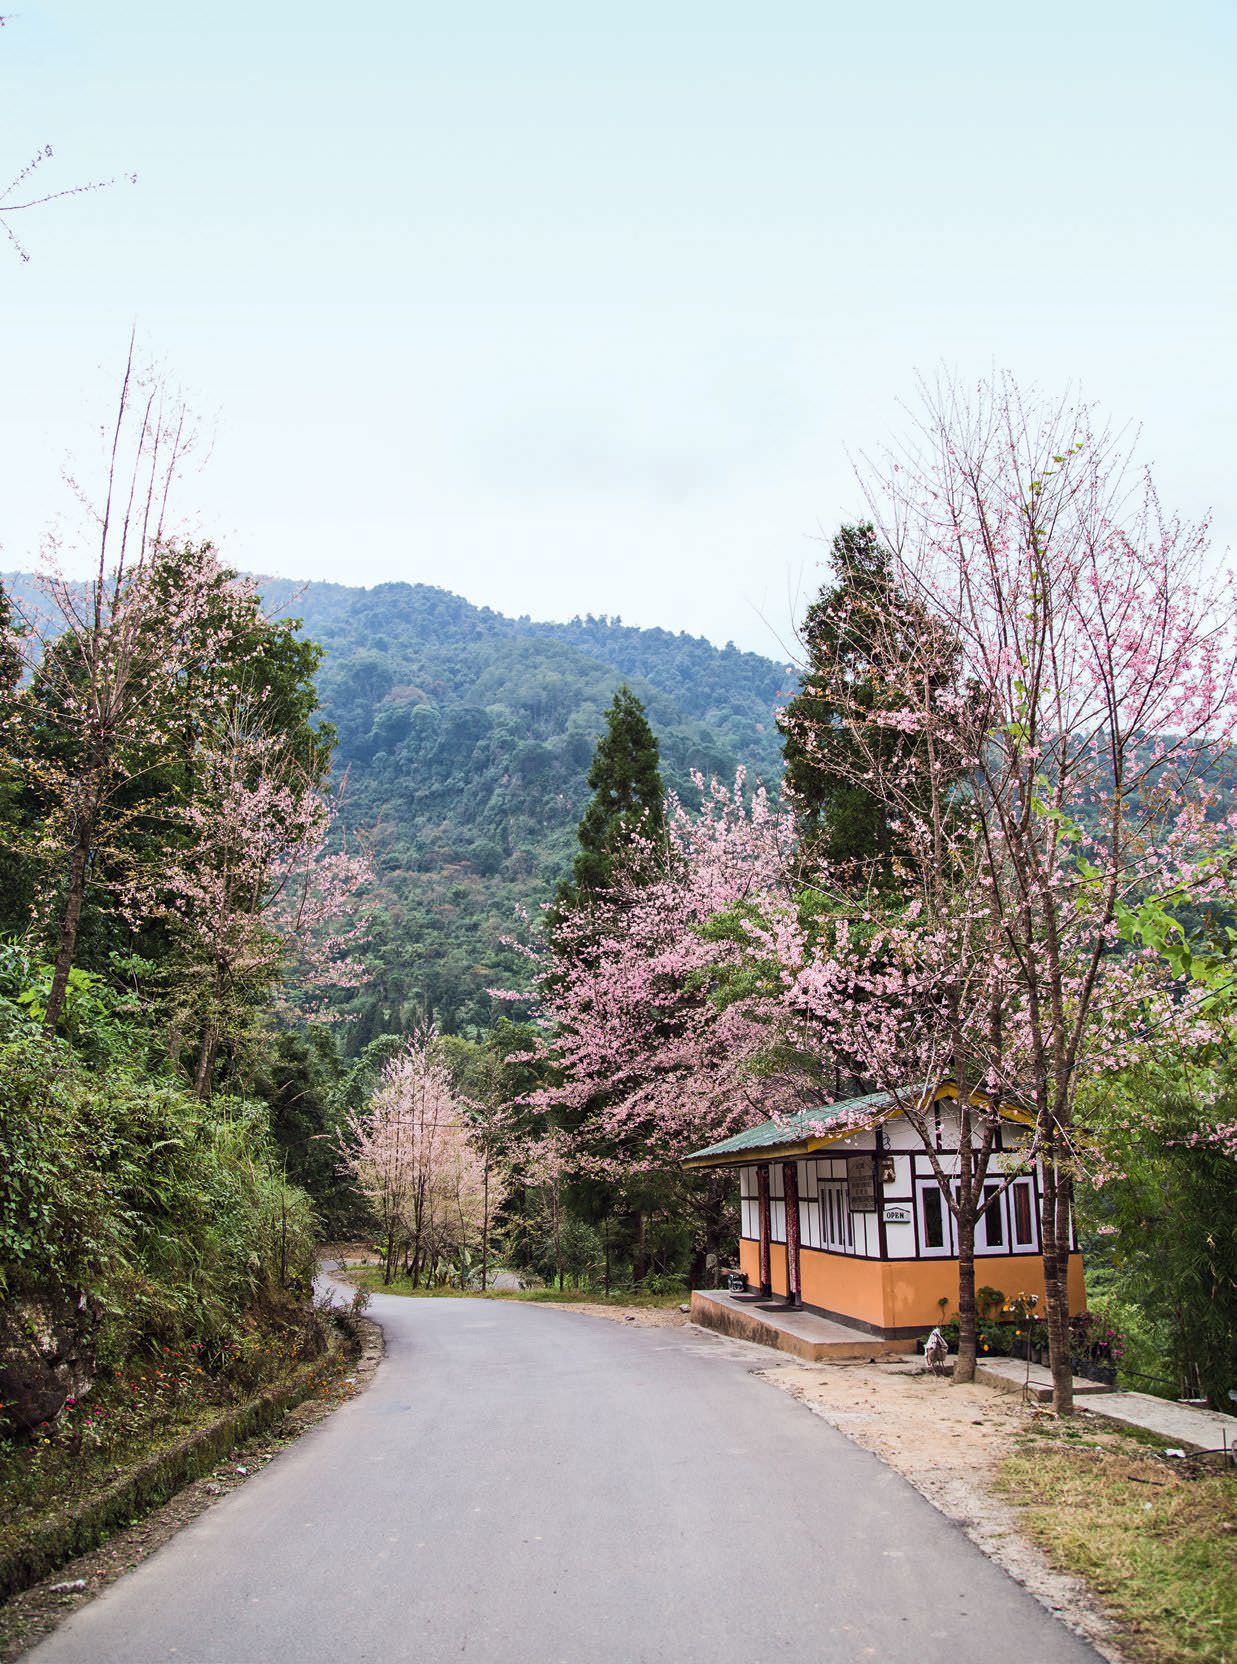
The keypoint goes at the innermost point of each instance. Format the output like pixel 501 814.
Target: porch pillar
pixel 790 1190
pixel 766 1232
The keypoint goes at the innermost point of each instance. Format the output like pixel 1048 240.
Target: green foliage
pixel 305 1088
pixel 163 1219
pixel 1163 1235
pixel 625 780
pixel 841 822
pixel 102 1020
pixel 466 739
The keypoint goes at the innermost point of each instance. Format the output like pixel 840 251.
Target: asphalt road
pixel 529 1486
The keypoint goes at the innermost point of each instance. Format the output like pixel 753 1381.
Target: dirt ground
pixel 948 1441
pixel 647 1317
pixel 346 1255
pixel 28 1617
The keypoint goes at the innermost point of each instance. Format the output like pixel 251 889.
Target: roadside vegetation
pixel 172 901
pixel 371 1277
pixel 1155 1537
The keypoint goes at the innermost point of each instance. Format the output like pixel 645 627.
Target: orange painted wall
pixel 913 1287
pixel 901 1294
pixel 850 1287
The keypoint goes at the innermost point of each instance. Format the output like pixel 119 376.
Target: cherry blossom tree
pixel 105 653
pixel 658 1044
pixel 259 900
pixel 140 680
pixel 411 1151
pixel 1073 692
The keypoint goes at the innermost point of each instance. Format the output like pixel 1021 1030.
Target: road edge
pixel 34 1611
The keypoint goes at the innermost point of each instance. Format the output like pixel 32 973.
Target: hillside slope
pixel 465 738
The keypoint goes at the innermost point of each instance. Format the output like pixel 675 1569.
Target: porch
pixel 808 1336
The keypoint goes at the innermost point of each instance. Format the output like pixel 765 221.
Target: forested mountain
pixel 464 742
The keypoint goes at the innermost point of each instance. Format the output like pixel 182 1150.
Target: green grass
pixel 1157 1542
pixel 370 1277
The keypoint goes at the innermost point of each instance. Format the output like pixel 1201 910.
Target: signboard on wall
pixel 897 1213
pixel 861 1183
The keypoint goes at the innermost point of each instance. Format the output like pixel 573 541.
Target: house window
pixel 994 1225
pixel 936 1235
pixel 1024 1223
pixel 835 1220
pixel 933 1219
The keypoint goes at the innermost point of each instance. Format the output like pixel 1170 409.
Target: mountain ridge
pixel 464 740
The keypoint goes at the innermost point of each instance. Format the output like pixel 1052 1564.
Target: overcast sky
pixel 571 308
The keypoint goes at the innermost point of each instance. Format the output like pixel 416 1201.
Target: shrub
pixel 158 1220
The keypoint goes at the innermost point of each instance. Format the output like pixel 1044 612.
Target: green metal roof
pixel 795 1129
pixel 788 1130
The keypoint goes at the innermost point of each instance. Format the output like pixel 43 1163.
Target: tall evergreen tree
pixel 628 795
pixel 842 823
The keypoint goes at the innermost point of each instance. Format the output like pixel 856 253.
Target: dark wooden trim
pixel 790 1208
pixel 882 1239
pixel 766 1230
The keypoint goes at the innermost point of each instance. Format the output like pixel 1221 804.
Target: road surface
pixel 530 1486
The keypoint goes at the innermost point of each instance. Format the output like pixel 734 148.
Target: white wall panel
pixel 810 1221
pixel 900 1240
pixel 900 1135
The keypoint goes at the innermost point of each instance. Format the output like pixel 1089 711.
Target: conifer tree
pixel 628 794
pixel 628 797
pixel 843 824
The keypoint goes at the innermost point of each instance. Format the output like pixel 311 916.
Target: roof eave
pixel 807 1146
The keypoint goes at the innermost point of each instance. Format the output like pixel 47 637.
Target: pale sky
pixel 576 309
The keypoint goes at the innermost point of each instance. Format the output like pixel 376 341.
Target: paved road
pixel 523 1486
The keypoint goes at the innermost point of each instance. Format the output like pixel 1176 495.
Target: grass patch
pixel 370 1277
pixel 1159 1546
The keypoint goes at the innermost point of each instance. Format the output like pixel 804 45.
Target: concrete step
pixel 805 1334
pixel 1178 1424
pixel 1034 1381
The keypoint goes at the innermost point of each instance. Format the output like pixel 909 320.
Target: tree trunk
pixel 964 1368
pixel 70 921
pixel 639 1257
pixel 485 1221
pixel 206 1065
pixel 1054 1229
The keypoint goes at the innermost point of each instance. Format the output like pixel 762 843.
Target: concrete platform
pixel 1011 1375
pixel 1179 1424
pixel 815 1339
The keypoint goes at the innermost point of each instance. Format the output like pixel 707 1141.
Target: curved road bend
pixel 529 1486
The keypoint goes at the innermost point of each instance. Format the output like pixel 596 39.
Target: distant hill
pixel 464 741
pixel 466 736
